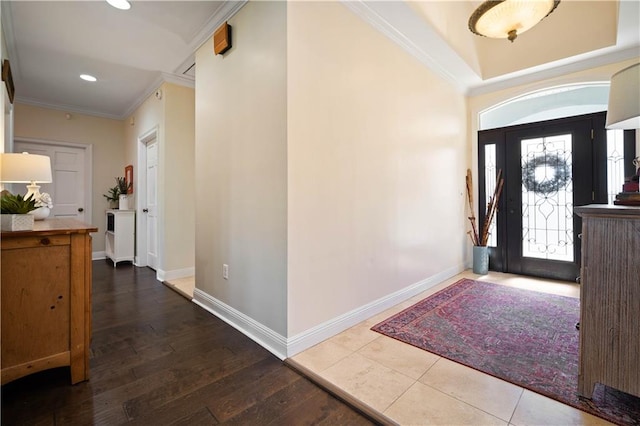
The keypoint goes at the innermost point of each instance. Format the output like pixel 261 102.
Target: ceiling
pixel 50 43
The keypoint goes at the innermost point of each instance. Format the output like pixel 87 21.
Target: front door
pixel 549 168
pixel 548 172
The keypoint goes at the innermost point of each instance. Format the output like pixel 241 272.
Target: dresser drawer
pixel 36 241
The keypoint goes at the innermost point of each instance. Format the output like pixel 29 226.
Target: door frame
pixel 584 176
pixel 88 167
pixel 498 256
pixel 141 200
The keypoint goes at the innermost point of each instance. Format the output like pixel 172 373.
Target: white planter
pixel 16 222
pixel 123 202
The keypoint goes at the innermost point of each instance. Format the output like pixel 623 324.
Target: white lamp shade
pixel 624 99
pixel 25 168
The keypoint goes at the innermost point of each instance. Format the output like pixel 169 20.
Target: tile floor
pixel 183 286
pixel 410 386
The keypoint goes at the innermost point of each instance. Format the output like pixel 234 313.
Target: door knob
pixel 145 210
pixel 80 209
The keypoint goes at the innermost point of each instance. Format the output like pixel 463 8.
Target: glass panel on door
pixel 490 172
pixel 547 198
pixel 615 163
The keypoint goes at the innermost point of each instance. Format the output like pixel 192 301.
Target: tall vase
pixel 480 260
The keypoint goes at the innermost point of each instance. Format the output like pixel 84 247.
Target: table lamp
pixel 624 99
pixel 26 168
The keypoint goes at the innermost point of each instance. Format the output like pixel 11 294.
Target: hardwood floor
pixel 157 358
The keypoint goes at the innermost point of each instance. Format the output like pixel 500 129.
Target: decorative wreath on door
pixel 560 178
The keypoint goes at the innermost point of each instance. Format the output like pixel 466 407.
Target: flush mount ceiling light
pixel 509 18
pixel 120 4
pixel 87 77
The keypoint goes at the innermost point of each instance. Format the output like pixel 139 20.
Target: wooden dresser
pixel 46 299
pixel 610 298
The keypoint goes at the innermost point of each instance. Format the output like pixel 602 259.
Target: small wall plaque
pixel 222 39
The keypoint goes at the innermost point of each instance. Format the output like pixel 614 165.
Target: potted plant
pixel 123 188
pixel 112 195
pixel 15 209
pixel 119 193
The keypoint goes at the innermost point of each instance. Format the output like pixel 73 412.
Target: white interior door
pixel 151 208
pixel 68 189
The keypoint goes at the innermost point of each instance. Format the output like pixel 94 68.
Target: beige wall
pixel 330 183
pixel 105 135
pixel 147 117
pixel 179 177
pixel 174 117
pixel 114 145
pixel 377 158
pixel 241 168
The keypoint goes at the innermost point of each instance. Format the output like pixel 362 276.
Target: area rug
pixel 524 337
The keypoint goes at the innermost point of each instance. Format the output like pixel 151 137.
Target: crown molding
pixel 224 13
pixel 399 23
pixel 155 85
pixel 557 69
pixel 180 80
pixel 65 108
pixel 9 39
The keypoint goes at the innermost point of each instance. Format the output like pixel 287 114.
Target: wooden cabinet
pixel 120 235
pixel 610 298
pixel 46 299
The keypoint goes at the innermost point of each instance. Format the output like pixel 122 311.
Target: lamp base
pixel 33 190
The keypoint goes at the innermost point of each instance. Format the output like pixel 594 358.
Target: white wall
pixel 377 157
pixel 241 168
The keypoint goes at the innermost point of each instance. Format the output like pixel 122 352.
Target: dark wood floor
pixel 157 358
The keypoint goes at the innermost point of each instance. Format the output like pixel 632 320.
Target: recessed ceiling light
pixel 120 4
pixel 87 77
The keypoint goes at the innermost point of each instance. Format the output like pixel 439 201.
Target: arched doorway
pixel 553 159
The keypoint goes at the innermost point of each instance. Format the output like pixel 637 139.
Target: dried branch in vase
pixel 481 238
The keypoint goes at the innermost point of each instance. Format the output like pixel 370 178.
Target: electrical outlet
pixel 225 271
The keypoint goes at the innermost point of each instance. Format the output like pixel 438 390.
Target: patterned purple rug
pixel 524 337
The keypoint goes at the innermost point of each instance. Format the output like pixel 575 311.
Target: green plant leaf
pixel 16 204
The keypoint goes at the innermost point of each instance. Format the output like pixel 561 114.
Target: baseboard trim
pixel 324 331
pixel 264 336
pixel 373 415
pixel 287 347
pixel 98 255
pixel 162 275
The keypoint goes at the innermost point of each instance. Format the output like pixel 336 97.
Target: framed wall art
pixel 128 176
pixel 8 79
